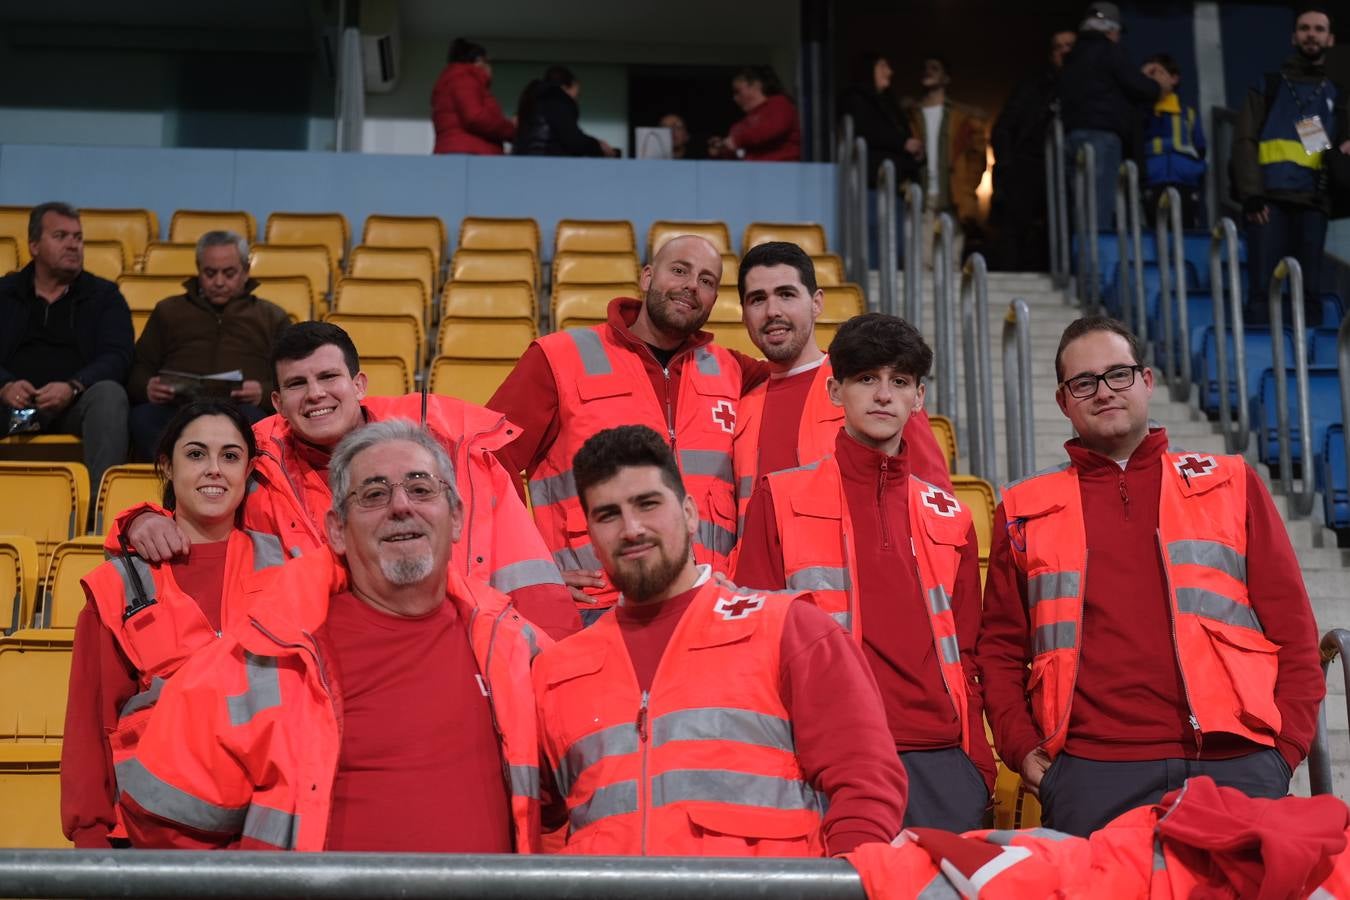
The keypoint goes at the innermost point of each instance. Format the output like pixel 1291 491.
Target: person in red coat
pixel 466 116
pixel 770 129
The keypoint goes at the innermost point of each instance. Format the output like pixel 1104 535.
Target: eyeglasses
pixel 379 494
pixel 1117 379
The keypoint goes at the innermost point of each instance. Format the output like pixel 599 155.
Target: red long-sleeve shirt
pixel 466 116
pixel 770 131
pixel 897 638
pixel 1128 702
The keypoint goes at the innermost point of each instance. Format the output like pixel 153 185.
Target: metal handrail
pixel 1335 643
pixel 1130 242
pixel 944 317
pixel 860 211
pixel 844 164
pixel 1224 237
pixel 1167 227
pixel 1085 189
pixel 1061 201
pixel 979 378
pixel 914 253
pixel 245 875
pixel 1052 207
pixel 888 254
pixel 1300 504
pixel 1343 360
pixel 1017 393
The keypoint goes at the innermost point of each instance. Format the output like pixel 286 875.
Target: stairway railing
pixel 861 265
pixel 914 254
pixel 1288 269
pixel 888 252
pixel 1057 204
pixel 1224 238
pixel 1334 643
pixel 1172 281
pixel 1343 365
pixel 1085 208
pixel 979 379
pixel 844 170
pixel 1130 242
pixel 1018 400
pixel 944 316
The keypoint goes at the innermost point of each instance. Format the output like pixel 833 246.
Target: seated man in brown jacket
pixel 217 326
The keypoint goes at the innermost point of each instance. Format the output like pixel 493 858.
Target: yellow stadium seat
pixel 1014 806
pixel 727 307
pixel 485 338
pixel 14 225
pixel 104 259
pixel 399 336
pixel 945 435
pixel 473 380
pixel 662 231
pixel 287 260
pixel 123 487
pixel 585 303
pixel 733 336
pixel 825 332
pixel 406 231
pixel 329 229
pixel 829 270
pixel 594 236
pixel 143 293
pixel 187 225
pixel 395 262
pixel 978 495
pixel 386 376
pixel 494 265
pixel 595 268
pixel 39 660
pixel 30 782
pixel 489 300
pixel 294 294
pixel 62 596
pixel 42 448
pixel 18 581
pixel 9 255
pixel 484 233
pixel 731 269
pixel 807 235
pixel 842 303
pixel 46 501
pixel 135 228
pixel 170 259
pixel 382 297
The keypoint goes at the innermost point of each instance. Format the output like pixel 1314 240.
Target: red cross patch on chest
pixel 724 414
pixel 1194 466
pixel 940 502
pixel 739 606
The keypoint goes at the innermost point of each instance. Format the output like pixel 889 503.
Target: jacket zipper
pixel 1124 496
pixel 298 494
pixel 643 734
pixel 670 410
pixel 881 505
pixel 1176 647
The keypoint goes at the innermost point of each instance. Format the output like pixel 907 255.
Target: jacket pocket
pixel 1251 663
pixel 741 831
pixel 1046 688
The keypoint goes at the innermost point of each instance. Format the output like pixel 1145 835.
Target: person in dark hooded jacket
pixel 547 119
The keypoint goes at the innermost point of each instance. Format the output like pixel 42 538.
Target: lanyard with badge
pixel 1311 133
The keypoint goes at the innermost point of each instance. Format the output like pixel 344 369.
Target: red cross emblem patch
pixel 940 502
pixel 724 414
pixel 1195 466
pixel 739 606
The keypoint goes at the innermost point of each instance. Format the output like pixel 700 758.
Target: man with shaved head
pixel 648 364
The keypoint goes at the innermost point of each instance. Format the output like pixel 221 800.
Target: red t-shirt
pixel 202 577
pixel 780 425
pixel 420 769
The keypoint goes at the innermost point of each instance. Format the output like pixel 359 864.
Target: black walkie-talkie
pixel 142 601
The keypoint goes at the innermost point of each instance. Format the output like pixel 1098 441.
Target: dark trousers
pixel 945 790
pixel 1078 795
pixel 148 421
pixel 99 418
pixel 1297 231
pixel 1106 147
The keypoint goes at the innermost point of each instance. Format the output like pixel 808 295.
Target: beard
pixel 667 319
pixel 784 352
pixel 640 580
pixel 406 570
pixel 1311 51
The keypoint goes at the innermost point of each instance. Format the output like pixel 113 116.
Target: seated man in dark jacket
pixel 217 326
pixel 65 345
pixel 547 119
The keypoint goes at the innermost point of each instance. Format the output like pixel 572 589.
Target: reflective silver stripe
pixel 713 537
pixel 267 550
pixel 713 463
pixel 938 601
pixel 263 692
pixel 271 826
pixel 526 573
pixel 1004 838
pixel 1211 605
pixel 553 489
pixel 819 578
pixel 745 486
pixel 1051 586
pixel 525 781
pixel 1159 860
pixel 252 485
pixel 723 724
pixel 741 788
pixel 143 574
pixel 617 740
pixel 168 802
pixel 612 800
pixel 147 697
pixel 582 557
pixel 531 638
pixel 594 359
pixel 1322 894
pixel 1048 470
pixel 938 889
pixel 845 619
pixel 1211 554
pixel 950 648
pixel 1055 636
pixel 706 362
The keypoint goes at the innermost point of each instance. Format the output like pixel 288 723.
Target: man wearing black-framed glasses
pixel 1130 638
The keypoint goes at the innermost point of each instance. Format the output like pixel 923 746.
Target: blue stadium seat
pixel 1324 402
pixel 1332 309
pixel 1322 346
pixel 1259 356
pixel 1333 479
pixel 1196 249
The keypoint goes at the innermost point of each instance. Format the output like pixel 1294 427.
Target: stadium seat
pixel 978 496
pixel 1014 807
pixel 1259 356
pixel 62 596
pixel 406 231
pixel 38 659
pixel 1322 346
pixel 727 307
pixel 395 262
pixel 809 236
pixel 170 259
pixel 103 258
pixel 143 293
pixel 18 581
pixel 392 335
pixel 594 236
pixel 662 231
pixel 484 233
pixel 386 376
pixel 46 501
pixel 382 297
pixel 1324 405
pixel 575 305
pixel 594 268
pixel 842 303
pixel 42 448
pixel 188 225
pixel 489 300
pixel 328 229
pixel 473 380
pixel 1333 480
pixel 287 260
pixel 9 255
pixel 30 782
pixel 731 268
pixel 494 265
pixel 733 336
pixel 123 487
pixel 485 338
pixel 945 434
pixel 14 225
pixel 829 270
pixel 135 228
pixel 294 294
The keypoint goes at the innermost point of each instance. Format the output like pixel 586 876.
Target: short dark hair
pixel 300 340
pixel 560 75
pixel 1087 325
pixel 940 60
pixel 36 214
pixel 874 340
pixel 608 451
pixel 1167 62
pixel 465 50
pixel 1316 8
pixel 768 79
pixel 777 253
pixel 185 416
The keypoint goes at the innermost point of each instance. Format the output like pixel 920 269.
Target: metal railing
pixel 844 170
pixel 1300 504
pixel 1057 203
pixel 1085 208
pixel 245 875
pixel 1343 364
pixel 1130 242
pixel 888 253
pixel 1334 643
pixel 1018 402
pixel 1172 284
pixel 860 222
pixel 944 316
pixel 979 379
pixel 914 254
pixel 1224 237
pixel 1222 129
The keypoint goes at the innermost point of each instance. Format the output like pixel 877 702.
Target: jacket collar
pixel 860 463
pixel 623 312
pixel 1090 462
pixel 192 287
